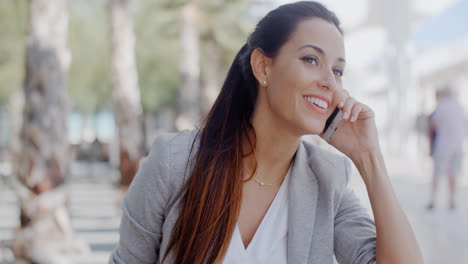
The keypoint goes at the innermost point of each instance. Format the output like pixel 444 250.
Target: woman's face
pixel 304 76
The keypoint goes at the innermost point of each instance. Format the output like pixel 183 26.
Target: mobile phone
pixel 332 124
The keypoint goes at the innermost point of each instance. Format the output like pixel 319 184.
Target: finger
pixel 340 97
pixel 366 112
pixel 347 107
pixel 357 108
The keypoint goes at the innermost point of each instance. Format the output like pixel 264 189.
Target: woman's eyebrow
pixel 319 50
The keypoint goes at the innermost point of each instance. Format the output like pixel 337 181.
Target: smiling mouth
pixel 317 102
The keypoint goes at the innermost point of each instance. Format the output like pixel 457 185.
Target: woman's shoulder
pixel 171 144
pixel 172 152
pixel 331 167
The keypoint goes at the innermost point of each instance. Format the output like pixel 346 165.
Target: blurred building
pixel 421 54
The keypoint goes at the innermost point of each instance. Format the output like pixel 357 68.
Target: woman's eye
pixel 310 60
pixel 338 72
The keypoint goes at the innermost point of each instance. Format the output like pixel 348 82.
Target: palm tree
pixel 188 110
pixel 216 27
pixel 225 26
pixel 204 36
pixel 45 234
pixel 125 91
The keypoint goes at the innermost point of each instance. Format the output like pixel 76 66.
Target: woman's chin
pixel 313 129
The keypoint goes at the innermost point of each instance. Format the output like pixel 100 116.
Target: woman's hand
pixel 357 134
pixel 357 138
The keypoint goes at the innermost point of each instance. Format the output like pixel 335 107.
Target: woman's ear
pixel 260 63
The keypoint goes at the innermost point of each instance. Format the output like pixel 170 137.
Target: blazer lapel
pixel 302 204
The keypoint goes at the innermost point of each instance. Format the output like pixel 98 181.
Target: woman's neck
pixel 275 147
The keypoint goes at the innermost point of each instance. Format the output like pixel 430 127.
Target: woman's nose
pixel 327 79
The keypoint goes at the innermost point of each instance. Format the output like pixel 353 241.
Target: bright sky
pixel 367 42
pixel 353 12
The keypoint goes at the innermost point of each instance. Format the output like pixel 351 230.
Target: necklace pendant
pixel 261 183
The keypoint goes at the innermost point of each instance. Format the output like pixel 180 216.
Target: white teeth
pixel 317 101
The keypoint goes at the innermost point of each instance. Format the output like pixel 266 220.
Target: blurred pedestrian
pixel 446 133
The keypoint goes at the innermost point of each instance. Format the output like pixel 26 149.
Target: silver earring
pixel 264 82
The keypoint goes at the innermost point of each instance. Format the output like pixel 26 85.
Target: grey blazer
pixel 325 217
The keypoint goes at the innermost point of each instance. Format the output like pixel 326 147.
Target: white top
pixel 269 244
pixel 450 124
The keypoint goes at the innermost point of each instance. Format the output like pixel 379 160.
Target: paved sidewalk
pixel 95 215
pixel 442 233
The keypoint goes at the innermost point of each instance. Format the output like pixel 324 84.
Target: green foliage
pixel 228 23
pixel 156 26
pixel 89 42
pixel 158 47
pixel 12 45
pixel 157 53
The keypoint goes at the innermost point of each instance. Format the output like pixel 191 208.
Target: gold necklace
pixel 257 180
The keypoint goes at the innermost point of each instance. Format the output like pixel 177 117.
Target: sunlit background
pixel 94 81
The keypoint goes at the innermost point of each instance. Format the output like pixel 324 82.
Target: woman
pixel 246 189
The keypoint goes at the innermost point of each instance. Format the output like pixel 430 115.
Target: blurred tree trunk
pixel 188 105
pixel 211 74
pixel 45 234
pixel 125 91
pixel 15 118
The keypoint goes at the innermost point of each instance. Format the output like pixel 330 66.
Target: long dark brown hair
pixel 211 197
